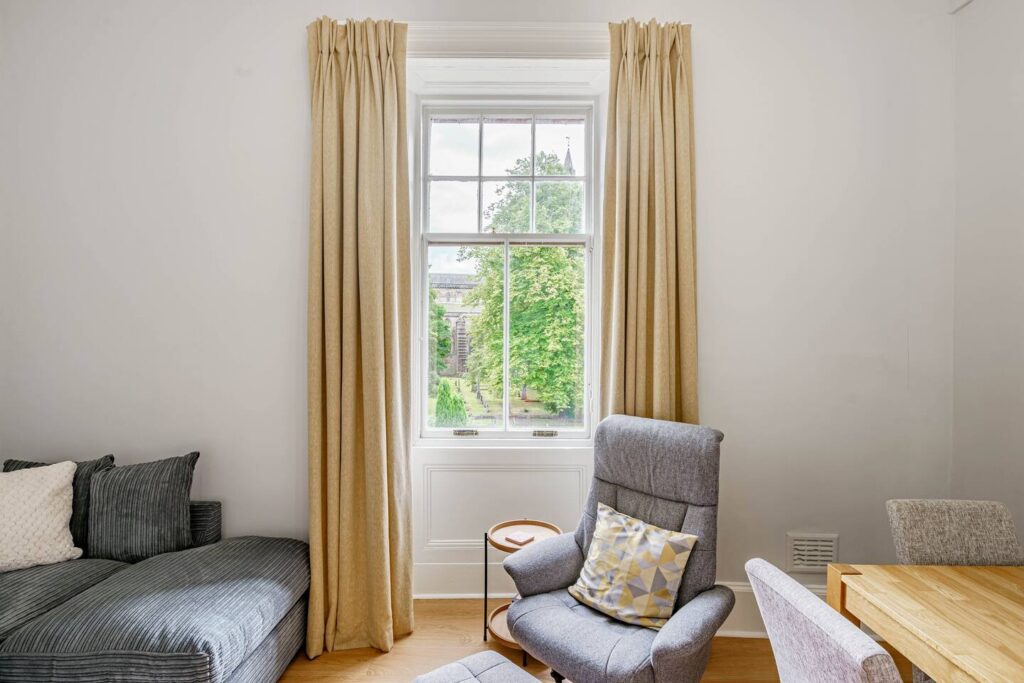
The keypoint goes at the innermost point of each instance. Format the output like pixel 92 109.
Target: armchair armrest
pixel 688 632
pixel 546 565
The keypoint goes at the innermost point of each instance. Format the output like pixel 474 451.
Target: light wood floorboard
pixel 447 630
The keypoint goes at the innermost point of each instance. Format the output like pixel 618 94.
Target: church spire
pixel 569 168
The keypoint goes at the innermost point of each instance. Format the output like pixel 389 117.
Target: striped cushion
pixel 27 593
pixel 80 486
pixel 194 615
pixel 139 511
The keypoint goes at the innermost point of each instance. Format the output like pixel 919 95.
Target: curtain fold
pixel 359 312
pixel 649 303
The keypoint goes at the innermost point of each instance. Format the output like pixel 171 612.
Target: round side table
pixel 495 622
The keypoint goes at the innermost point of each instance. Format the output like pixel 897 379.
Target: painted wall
pixel 989 432
pixel 153 189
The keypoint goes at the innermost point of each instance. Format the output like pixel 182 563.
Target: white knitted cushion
pixel 35 510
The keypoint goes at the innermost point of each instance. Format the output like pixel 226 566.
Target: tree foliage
pixel 545 295
pixel 450 407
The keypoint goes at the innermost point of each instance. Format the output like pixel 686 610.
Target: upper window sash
pixel 472 157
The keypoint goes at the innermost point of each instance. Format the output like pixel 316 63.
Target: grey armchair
pixel 666 474
pixel 810 640
pixel 955 532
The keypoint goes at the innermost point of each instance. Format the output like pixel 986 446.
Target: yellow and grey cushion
pixel 633 569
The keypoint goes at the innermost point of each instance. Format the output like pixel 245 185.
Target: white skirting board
pixel 435 581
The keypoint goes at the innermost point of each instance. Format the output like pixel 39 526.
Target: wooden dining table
pixel 954 623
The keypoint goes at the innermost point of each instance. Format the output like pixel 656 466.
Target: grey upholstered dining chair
pixel 666 474
pixel 812 643
pixel 952 532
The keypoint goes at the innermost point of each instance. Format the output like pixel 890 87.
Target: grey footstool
pixel 486 667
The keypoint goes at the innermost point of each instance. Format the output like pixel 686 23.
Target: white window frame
pixel 574 106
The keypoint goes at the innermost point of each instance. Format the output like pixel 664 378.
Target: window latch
pixel 465 432
pixel 545 432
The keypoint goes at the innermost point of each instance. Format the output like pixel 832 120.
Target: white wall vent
pixel 810 552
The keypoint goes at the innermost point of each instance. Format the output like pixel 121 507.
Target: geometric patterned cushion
pixel 633 569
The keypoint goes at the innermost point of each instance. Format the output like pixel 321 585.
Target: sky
pixel 453 151
pixel 446 260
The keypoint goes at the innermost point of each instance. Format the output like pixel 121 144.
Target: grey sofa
pixel 224 610
pixel 666 474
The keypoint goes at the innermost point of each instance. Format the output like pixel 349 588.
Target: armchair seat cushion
pixel 580 643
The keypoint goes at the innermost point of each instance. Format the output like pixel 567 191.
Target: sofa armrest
pixel 546 565
pixel 204 521
pixel 688 631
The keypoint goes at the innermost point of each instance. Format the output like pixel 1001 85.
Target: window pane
pixel 506 146
pixel 465 361
pixel 560 206
pixel 454 144
pixel 546 337
pixel 560 148
pixel 506 206
pixel 452 206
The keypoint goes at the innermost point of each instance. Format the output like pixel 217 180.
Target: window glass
pixel 560 206
pixel 465 352
pixel 507 240
pixel 506 206
pixel 506 147
pixel 454 146
pixel 452 206
pixel 560 148
pixel 546 309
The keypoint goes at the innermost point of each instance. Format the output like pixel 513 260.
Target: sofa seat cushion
pixel 577 641
pixel 193 615
pixel 27 593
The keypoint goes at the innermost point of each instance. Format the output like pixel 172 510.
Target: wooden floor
pixel 447 630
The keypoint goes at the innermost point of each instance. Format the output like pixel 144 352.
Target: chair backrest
pixel 665 473
pixel 810 640
pixel 955 532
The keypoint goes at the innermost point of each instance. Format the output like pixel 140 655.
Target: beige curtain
pixel 359 310
pixel 649 306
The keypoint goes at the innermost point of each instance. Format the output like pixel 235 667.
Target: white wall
pixel 153 247
pixel 989 431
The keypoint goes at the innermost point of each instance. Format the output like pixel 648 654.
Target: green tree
pixel 545 295
pixel 450 407
pixel 440 339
